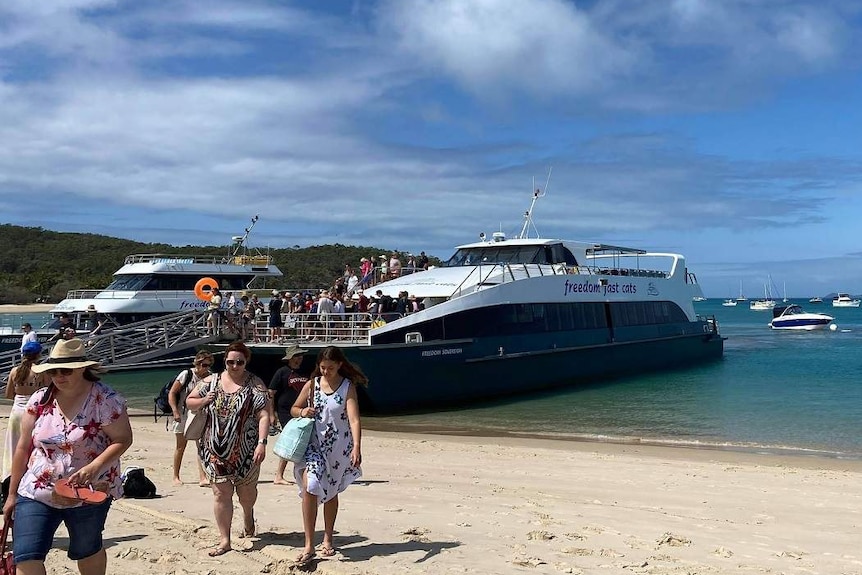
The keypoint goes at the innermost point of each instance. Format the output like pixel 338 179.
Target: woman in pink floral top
pixel 74 430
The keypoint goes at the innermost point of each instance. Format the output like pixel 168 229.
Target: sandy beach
pixel 26 308
pixel 444 504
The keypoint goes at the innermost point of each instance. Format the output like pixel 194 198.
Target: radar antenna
pixel 528 215
pixel 239 241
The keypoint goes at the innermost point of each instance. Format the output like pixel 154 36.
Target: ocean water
pixel 796 392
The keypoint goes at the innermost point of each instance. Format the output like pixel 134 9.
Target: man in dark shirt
pixel 423 261
pixel 284 388
pixel 63 327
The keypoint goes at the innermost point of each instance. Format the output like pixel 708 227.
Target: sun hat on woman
pixel 67 353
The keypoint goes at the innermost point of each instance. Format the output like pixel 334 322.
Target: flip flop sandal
pixel 303 560
pixel 85 493
pixel 327 551
pixel 218 551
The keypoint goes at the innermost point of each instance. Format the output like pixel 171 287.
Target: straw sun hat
pixel 67 353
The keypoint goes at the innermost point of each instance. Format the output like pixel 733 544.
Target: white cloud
pixel 537 47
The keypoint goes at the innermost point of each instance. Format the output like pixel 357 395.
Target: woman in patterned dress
pixel 66 468
pixel 236 405
pixel 334 454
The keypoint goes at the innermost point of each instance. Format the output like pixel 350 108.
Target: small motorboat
pixel 794 317
pixel 844 300
pixel 729 303
pixel 815 300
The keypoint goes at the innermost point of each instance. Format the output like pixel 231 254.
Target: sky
pixel 725 130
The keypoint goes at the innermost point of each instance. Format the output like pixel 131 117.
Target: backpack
pixel 161 405
pixel 136 485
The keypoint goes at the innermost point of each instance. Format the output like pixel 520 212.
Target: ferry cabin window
pixel 164 282
pixel 128 282
pixel 491 254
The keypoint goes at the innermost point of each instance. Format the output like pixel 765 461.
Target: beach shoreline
pixel 26 308
pixel 442 503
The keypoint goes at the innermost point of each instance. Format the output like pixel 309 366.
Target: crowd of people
pixel 347 304
pixel 68 430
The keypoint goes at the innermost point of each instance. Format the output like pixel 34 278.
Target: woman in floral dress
pixel 66 467
pixel 334 455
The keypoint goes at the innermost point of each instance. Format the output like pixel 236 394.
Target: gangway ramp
pixel 138 344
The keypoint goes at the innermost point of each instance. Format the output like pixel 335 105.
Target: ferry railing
pixel 151 339
pixel 182 259
pixel 352 328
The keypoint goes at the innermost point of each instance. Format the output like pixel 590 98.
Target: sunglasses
pixel 207 365
pixel 59 371
pixel 235 362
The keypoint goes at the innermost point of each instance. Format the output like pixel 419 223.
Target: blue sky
pixel 727 130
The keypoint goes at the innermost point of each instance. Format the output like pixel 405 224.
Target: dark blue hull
pixel 410 377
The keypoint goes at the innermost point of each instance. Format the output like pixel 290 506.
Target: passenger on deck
pixel 384 268
pixel 394 265
pixel 423 261
pixel 214 312
pixel 352 283
pixel 275 323
pixel 365 268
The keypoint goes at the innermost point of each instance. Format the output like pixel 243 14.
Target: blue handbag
pixel 293 439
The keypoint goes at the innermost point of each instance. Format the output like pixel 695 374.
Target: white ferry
pixel 507 316
pixel 152 285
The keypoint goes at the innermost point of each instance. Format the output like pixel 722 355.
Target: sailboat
pixel 785 300
pixel 765 304
pixel 741 297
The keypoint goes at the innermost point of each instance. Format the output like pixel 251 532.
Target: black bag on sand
pixel 136 485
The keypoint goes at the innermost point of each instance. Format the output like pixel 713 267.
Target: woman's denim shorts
pixel 36 524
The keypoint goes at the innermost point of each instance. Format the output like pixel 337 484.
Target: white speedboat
pixel 152 285
pixel 793 317
pixel 729 303
pixel 513 315
pixel 815 300
pixel 844 300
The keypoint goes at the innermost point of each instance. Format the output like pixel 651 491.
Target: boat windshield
pixel 494 254
pixel 167 282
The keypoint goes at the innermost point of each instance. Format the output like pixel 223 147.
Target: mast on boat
pixel 528 215
pixel 239 241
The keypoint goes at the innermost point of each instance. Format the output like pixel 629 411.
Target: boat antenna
pixel 239 241
pixel 528 215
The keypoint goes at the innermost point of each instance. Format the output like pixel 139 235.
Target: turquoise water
pixel 773 391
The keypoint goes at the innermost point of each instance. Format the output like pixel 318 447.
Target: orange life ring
pixel 204 287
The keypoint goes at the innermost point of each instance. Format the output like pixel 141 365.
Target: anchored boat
pixel 512 315
pixel 793 317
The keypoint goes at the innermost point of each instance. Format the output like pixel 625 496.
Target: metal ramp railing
pixel 150 339
pixel 137 343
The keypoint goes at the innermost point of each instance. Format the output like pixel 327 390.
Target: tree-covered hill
pixel 38 263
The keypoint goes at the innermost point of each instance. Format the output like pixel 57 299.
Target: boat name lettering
pixel 186 304
pixel 610 288
pixel 447 351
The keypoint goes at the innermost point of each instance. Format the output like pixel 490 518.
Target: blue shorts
pixel 36 524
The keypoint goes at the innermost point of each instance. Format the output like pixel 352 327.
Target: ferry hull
pixel 412 377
